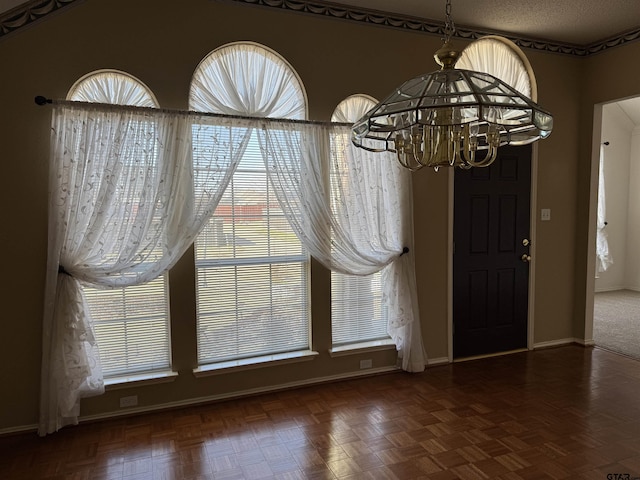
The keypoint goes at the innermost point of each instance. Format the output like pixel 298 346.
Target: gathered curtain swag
pixel 130 188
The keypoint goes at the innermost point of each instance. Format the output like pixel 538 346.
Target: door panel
pixel 491 281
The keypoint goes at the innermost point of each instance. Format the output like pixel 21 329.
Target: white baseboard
pixel 608 289
pixel 563 341
pixel 490 355
pixel 434 362
pixel 615 289
pixel 554 343
pixel 19 429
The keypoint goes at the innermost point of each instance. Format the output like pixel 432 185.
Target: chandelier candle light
pixel 451 117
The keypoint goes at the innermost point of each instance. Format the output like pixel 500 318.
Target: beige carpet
pixel 616 321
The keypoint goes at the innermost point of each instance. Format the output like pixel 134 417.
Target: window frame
pixel 196 102
pixel 164 372
pixel 350 110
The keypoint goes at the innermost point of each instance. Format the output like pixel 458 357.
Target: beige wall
pixel 161 43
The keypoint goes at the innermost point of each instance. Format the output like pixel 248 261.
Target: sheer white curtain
pixel 127 197
pixel 603 257
pixel 352 108
pixel 497 58
pixel 247 79
pixel 356 233
pixel 112 86
pixel 398 280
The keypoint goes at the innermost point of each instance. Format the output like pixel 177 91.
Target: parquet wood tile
pixel 565 413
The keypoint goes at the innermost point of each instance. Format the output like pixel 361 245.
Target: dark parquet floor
pixel 563 413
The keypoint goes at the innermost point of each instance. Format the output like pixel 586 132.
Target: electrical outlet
pixel 366 363
pixel 545 214
pixel 131 401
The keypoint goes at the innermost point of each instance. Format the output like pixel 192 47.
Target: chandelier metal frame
pixel 451 117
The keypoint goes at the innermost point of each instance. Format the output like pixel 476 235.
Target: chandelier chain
pixel 449 26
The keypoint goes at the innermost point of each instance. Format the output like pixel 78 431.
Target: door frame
pixel 532 265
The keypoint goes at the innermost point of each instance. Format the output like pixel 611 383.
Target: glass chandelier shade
pixel 451 117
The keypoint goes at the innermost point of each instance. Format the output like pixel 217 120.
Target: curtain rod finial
pixel 40 100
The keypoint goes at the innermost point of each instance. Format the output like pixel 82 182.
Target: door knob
pixel 525 258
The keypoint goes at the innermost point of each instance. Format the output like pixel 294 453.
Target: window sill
pixel 355 348
pixel 255 362
pixel 150 378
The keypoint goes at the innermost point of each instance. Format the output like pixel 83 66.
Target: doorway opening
pixel 616 292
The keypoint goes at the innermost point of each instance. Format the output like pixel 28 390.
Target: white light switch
pixel 545 214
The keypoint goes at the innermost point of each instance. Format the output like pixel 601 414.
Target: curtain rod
pixel 41 100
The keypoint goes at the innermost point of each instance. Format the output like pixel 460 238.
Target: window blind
pixel 131 324
pixel 252 273
pixel 357 313
pixel 132 327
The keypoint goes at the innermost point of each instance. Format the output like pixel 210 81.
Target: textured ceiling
pixel 577 22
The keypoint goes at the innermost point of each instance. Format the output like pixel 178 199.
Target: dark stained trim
pixel 28 13
pixel 375 17
pixel 35 10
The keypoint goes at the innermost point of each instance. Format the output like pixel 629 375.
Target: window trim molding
pixel 140 379
pixel 252 363
pixel 362 347
pixel 113 71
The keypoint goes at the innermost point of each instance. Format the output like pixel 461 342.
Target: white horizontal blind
pixel 132 327
pixel 131 324
pixel 252 273
pixel 357 313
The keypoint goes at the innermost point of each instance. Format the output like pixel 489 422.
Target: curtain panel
pixel 130 189
pixel 352 210
pixel 128 193
pixel 603 257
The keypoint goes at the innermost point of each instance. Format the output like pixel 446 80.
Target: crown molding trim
pixel 28 13
pixel 375 17
pixel 35 10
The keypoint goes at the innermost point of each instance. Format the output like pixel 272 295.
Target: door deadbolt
pixel 526 242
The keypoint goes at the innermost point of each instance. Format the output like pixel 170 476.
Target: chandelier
pixel 451 117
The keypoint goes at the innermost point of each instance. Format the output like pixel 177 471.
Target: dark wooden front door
pixel 490 276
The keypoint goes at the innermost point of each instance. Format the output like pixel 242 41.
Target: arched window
pixel 112 86
pixel 252 270
pixel 352 108
pixel 131 323
pixel 503 59
pixel 247 79
pixel 357 313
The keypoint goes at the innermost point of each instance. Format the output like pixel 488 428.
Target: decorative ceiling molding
pixel 35 10
pixel 27 13
pixel 414 24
